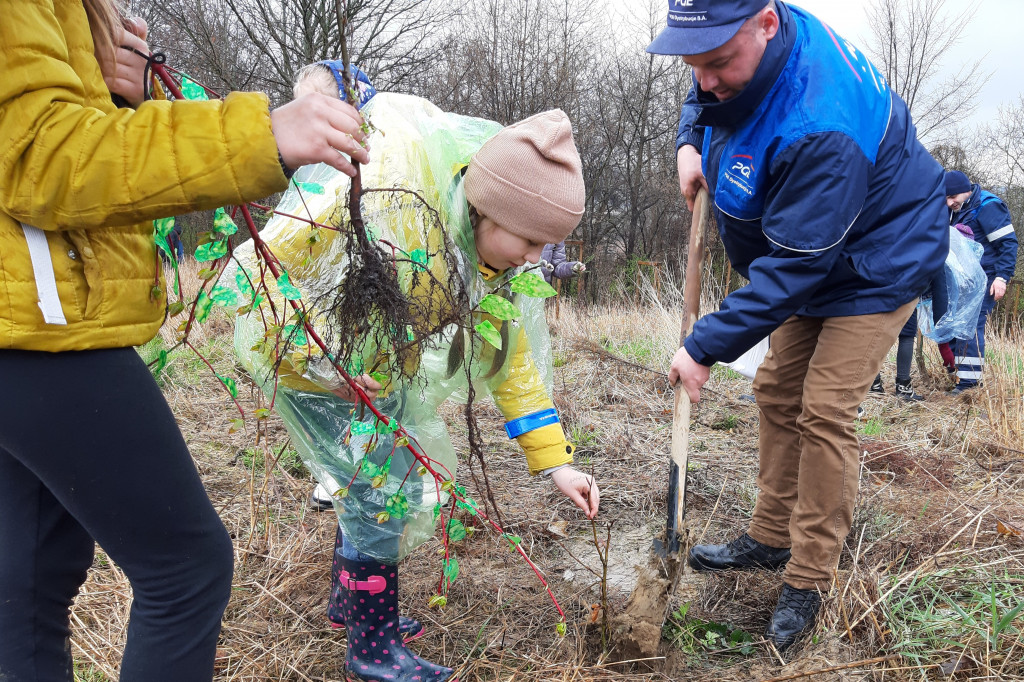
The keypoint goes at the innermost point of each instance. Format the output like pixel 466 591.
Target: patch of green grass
pixel 560 360
pixel 288 461
pixel 582 437
pixel 698 637
pixel 722 372
pixel 943 614
pixel 871 427
pixel 87 673
pixel 726 423
pixel 641 350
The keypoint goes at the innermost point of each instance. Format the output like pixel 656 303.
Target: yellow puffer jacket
pixel 80 180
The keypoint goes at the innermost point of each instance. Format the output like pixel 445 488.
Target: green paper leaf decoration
pixel 390 427
pixel 287 289
pixel 437 510
pixel 420 257
pixel 203 305
pixel 211 251
pixel 223 224
pixel 499 307
pixel 373 232
pixel 161 362
pixel 164 226
pixel 230 384
pixel 242 278
pixel 489 333
pixel 456 530
pixel 311 187
pixel 469 504
pixel 192 90
pixel 451 569
pixel 513 540
pixel 361 429
pixel 295 334
pixel 380 377
pixel 531 284
pixel 224 297
pixel 397 505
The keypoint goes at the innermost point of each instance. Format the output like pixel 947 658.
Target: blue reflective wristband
pixel 530 422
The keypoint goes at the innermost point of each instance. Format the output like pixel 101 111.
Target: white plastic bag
pixel 748 363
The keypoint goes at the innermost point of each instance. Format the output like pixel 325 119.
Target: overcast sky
pixel 993 34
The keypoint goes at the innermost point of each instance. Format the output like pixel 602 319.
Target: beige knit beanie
pixel 529 179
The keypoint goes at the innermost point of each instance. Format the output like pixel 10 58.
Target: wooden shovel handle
pixel 681 413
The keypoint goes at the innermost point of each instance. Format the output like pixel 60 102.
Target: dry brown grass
pixel 939 480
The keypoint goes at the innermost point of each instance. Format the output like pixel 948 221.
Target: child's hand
pixel 124 70
pixel 578 487
pixel 369 385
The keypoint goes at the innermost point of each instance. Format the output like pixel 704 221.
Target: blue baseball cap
pixel 699 26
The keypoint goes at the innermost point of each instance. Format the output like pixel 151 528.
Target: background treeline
pixel 507 59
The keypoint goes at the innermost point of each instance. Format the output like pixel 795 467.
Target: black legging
pixel 90 450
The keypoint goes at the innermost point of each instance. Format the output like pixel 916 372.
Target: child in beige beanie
pixel 522 188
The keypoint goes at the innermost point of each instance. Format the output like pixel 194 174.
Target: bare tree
pixel 911 38
pixel 263 43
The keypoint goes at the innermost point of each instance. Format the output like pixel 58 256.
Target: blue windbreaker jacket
pixel 824 198
pixel 988 217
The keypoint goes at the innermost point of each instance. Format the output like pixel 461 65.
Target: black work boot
pixel 742 553
pixel 409 627
pixel 905 391
pixel 794 613
pixel 376 652
pixel 876 386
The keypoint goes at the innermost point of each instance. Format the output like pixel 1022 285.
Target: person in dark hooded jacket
pixel 826 202
pixel 988 217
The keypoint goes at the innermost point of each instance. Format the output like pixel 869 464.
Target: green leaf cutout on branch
pixel 223 224
pixel 456 530
pixel 489 333
pixel 161 362
pixel 192 90
pixel 499 307
pixel 212 251
pixel 287 289
pixel 397 505
pixel 203 305
pixel 420 257
pixel 451 569
pixel 295 334
pixel 531 284
pixel 311 187
pixel 224 297
pixel 362 428
pixel 242 279
pixel 230 384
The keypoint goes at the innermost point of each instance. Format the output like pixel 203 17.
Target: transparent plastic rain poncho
pixel 419 147
pixel 966 283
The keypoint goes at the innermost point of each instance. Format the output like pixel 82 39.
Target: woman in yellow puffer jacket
pixel 89 450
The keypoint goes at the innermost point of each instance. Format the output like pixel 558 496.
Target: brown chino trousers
pixel 816 373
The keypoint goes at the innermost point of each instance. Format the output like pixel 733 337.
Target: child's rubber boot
pixel 409 627
pixel 376 652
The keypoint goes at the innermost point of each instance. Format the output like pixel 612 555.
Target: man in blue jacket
pixel 990 220
pixel 827 203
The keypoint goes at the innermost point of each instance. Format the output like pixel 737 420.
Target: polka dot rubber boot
pixel 376 652
pixel 410 628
